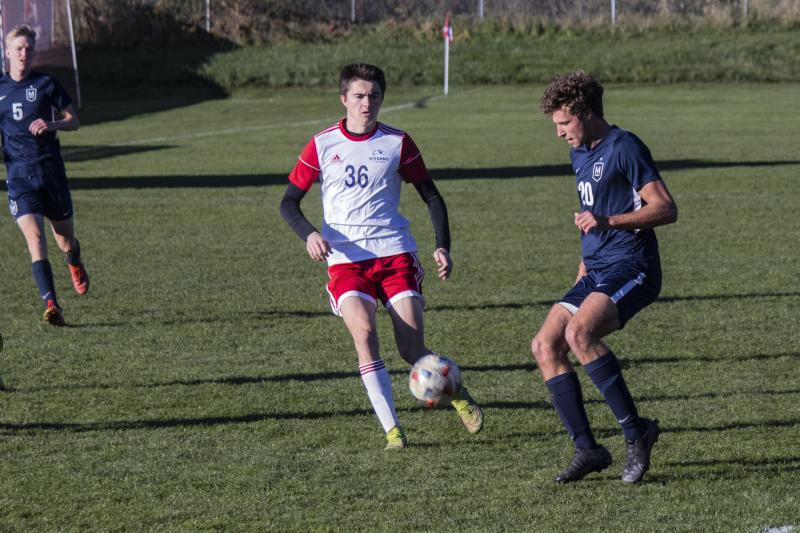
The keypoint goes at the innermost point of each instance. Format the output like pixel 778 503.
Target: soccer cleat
pixel 469 410
pixel 80 278
pixel 53 316
pixel 637 453
pixel 396 439
pixel 585 461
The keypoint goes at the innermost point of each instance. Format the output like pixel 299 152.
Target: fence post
pixel 744 8
pixel 353 11
pixel 208 16
pixel 480 9
pixel 613 11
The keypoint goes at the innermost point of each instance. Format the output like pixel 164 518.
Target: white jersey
pixel 361 178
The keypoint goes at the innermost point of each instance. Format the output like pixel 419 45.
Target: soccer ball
pixel 434 380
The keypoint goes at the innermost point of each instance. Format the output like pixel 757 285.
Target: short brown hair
pixel 361 71
pixel 23 30
pixel 578 91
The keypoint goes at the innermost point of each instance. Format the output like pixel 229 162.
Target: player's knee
pixel 362 329
pixel 578 336
pixel 543 350
pixel 411 349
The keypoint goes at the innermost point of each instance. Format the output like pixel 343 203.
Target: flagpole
pixel 447 34
pixel 446 64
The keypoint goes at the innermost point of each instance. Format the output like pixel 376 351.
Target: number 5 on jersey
pixel 361 178
pixel 16 110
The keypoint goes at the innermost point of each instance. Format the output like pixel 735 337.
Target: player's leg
pixel 64 233
pixel 32 226
pixel 401 290
pixel 352 295
pixel 599 315
pixel 57 202
pixel 407 319
pixel 550 348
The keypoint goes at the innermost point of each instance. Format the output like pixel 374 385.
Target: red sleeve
pixel 307 170
pixel 412 167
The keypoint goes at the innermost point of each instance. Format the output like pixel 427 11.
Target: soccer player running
pixel 371 254
pixel 622 198
pixel 37 180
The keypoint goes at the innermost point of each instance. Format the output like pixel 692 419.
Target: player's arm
pixel 413 170
pixel 68 122
pixel 658 209
pixel 302 177
pixel 317 247
pixel 437 210
pixel 581 272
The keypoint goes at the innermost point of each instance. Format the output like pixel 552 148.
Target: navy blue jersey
pixel 22 102
pixel 609 179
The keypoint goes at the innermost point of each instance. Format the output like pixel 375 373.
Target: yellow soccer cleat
pixel 396 439
pixel 469 410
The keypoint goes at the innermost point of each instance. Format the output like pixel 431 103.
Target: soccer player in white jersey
pixel 360 164
pixel 622 198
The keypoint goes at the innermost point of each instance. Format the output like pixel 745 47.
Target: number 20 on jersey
pixel 586 193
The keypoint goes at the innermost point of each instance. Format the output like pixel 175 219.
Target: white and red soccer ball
pixel 434 380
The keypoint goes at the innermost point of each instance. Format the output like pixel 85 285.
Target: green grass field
pixel 203 383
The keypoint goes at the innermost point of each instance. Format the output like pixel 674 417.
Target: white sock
pixel 379 389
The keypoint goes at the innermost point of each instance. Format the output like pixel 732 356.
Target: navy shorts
pixel 44 195
pixel 632 286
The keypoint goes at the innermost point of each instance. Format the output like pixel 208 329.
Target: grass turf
pixel 204 384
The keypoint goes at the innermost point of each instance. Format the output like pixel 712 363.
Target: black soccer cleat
pixel 585 461
pixel 637 453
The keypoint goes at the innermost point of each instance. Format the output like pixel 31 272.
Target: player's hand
pixel 317 247
pixel 443 262
pixel 38 127
pixel 588 221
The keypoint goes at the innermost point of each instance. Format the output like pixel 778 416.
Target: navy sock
pixel 43 274
pixel 565 393
pixel 74 255
pixel 606 374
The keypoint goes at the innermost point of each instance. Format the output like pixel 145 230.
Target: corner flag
pixel 447 34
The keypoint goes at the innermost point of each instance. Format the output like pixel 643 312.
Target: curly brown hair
pixel 578 91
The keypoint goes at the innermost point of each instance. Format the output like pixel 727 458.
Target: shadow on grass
pixel 121 425
pixel 89 153
pixel 269 179
pixel 711 428
pixel 305 377
pixel 709 469
pixel 311 377
pixel 261 314
pixel 566 170
pixel 124 79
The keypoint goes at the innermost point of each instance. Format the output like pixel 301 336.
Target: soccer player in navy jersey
pixel 622 198
pixel 360 165
pixel 37 180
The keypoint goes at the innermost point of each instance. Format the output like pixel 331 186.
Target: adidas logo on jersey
pixel 336 159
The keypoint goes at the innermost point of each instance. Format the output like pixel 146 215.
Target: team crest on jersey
pixel 597 171
pixel 378 155
pixel 30 93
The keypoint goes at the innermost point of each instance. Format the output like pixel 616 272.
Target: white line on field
pixel 228 131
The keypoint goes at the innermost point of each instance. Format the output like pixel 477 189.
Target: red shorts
pixel 387 279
